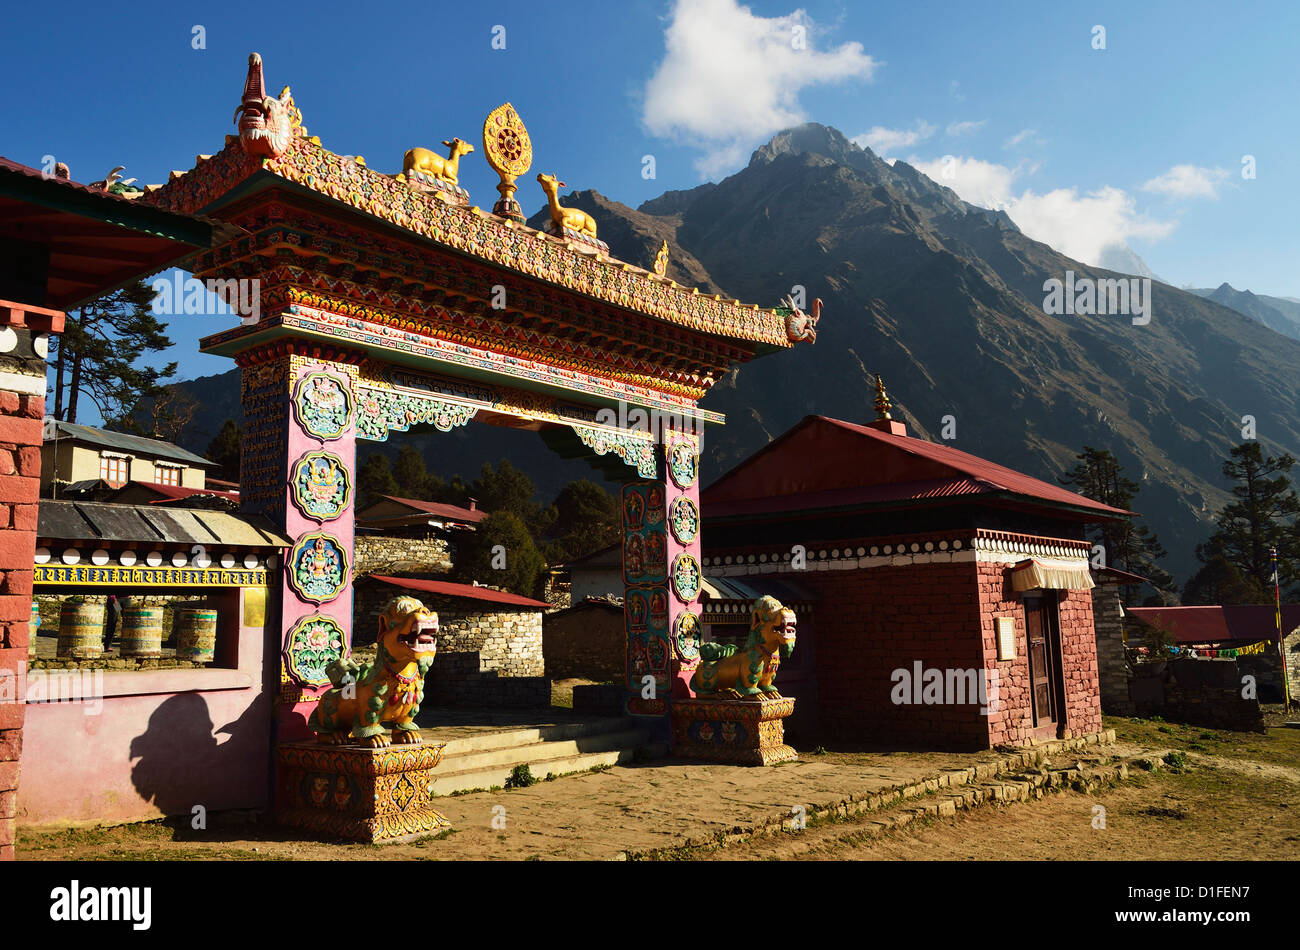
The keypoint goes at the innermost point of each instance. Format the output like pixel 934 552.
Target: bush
pixel 521 776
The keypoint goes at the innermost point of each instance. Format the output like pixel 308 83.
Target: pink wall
pixel 156 743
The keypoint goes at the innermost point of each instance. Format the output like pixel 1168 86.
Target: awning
pixel 1042 573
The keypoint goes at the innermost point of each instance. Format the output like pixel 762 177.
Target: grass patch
pixel 521 776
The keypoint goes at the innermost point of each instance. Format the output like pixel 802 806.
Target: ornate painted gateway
pixel 389 301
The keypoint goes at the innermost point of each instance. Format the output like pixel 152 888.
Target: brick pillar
pixel 662 574
pixel 24 334
pixel 299 469
pixel 1112 664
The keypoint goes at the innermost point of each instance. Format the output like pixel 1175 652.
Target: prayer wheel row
pixel 81 631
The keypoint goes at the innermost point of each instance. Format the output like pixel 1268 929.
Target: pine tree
pixel 97 353
pixel 1262 516
pixel 1127 543
pixel 506 488
pixel 225 449
pixel 375 478
pixel 501 553
pixel 413 477
pixel 588 519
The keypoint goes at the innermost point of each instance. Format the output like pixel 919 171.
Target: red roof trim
pixel 438 508
pixel 467 591
pixel 972 476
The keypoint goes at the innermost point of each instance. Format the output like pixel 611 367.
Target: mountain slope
pixel 1276 313
pixel 946 300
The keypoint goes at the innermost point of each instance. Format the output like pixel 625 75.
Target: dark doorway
pixel 1042 628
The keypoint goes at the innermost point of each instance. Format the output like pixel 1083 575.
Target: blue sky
pixel 1138 144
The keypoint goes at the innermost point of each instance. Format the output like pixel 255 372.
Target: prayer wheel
pixel 81 629
pixel 196 634
pixel 33 628
pixel 141 633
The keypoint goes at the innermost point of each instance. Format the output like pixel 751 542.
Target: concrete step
pixel 526 735
pixel 542 751
pixel 541 763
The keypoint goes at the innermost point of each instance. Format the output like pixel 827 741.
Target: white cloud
pixel 1021 137
pixel 981 183
pixel 882 140
pixel 1188 181
pixel 729 78
pixel 965 128
pixel 1081 226
pixel 954 90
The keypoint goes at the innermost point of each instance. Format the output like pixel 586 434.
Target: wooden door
pixel 1041 666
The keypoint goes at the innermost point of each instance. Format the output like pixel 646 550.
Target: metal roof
pixel 136 444
pixel 466 591
pixel 1241 623
pixel 98 521
pixel 752 588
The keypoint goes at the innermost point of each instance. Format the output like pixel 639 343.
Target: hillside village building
pixel 77 458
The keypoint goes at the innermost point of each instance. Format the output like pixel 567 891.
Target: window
pixel 166 475
pixel 113 469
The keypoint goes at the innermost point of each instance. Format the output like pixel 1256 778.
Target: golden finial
pixel 509 152
pixel 661 260
pixel 882 403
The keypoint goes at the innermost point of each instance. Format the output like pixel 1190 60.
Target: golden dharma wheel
pixel 506 144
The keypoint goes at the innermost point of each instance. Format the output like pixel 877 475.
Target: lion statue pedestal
pixel 359 780
pixel 376 795
pixel 736 715
pixel 738 731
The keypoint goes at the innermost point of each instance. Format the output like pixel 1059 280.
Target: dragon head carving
pixel 266 124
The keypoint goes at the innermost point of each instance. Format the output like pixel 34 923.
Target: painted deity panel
pixel 683 464
pixel 322 487
pixel 645 543
pixel 686 638
pixel 312 645
pixel 318 568
pixel 323 405
pixel 684 520
pixel 686 578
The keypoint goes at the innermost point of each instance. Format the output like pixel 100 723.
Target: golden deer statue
pixel 434 165
pixel 571 218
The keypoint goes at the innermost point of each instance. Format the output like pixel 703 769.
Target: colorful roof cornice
pixel 273 144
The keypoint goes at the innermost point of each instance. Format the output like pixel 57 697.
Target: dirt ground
pixel 1237 797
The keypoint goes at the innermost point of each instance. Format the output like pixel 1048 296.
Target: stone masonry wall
pixel 1112 664
pixel 586 642
pixel 383 554
pixel 20 468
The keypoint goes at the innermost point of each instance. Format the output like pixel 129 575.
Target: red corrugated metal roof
pixel 1244 623
pixel 875 470
pixel 982 470
pixel 467 591
pixel 452 512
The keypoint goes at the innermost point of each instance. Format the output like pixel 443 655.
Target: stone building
pixel 586 641
pixel 489 641
pixel 949 597
pixel 409 536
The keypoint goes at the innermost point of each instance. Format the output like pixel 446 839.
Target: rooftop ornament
pixel 509 150
pixel 882 404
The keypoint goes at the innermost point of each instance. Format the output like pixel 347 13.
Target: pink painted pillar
pixel 662 575
pixel 299 469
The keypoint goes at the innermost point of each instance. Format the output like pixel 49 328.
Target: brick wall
pixel 485 654
pixel 874 621
pixel 20 466
pixel 587 642
pixel 1012 722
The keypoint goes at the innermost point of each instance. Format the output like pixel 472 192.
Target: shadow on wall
pixel 182 763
